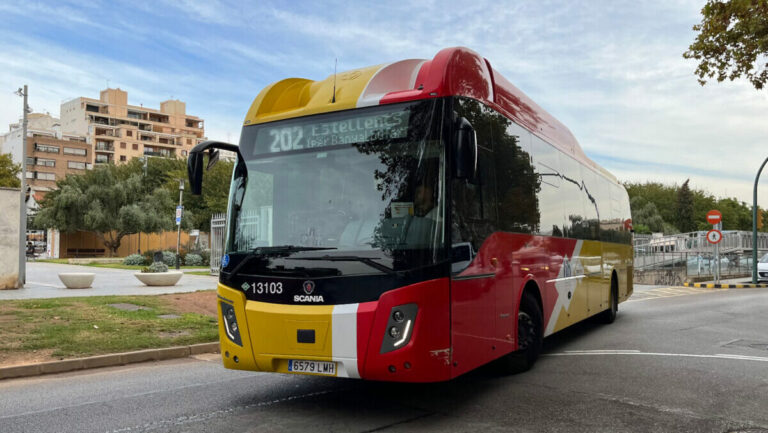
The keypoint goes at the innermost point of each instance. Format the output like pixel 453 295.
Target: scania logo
pixel 309 287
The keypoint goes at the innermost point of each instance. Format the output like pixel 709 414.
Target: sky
pixel 612 71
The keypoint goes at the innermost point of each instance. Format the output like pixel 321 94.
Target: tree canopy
pixel 732 41
pixel 118 200
pixel 9 172
pixel 665 208
pixel 110 201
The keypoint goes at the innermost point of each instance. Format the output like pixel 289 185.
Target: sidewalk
pixel 43 282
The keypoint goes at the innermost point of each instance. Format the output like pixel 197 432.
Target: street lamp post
pixel 23 207
pixel 178 223
pixel 754 224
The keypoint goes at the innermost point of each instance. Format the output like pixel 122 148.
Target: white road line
pixel 637 352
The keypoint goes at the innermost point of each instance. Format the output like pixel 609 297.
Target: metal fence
pixel 254 228
pixel 218 237
pixel 690 255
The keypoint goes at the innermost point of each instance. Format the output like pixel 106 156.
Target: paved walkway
pixel 43 282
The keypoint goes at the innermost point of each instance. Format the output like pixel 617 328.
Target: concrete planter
pixel 77 280
pixel 169 278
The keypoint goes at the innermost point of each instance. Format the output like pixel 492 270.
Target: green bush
pixel 156 267
pixel 134 260
pixel 206 255
pixel 193 260
pixel 169 258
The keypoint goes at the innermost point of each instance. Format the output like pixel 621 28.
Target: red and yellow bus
pixel 411 222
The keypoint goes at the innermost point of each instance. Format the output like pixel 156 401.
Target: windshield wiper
pixel 366 260
pixel 276 251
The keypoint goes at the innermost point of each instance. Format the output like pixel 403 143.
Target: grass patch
pixel 76 327
pixel 205 273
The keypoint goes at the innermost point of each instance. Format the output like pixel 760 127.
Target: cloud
pixel 612 71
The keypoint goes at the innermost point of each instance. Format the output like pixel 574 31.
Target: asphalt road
pixel 672 361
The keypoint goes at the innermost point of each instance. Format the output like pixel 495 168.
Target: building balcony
pixel 103 146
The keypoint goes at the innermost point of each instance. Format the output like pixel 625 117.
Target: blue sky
pixel 612 71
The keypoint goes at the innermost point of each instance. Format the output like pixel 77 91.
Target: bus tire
pixel 609 316
pixel 530 337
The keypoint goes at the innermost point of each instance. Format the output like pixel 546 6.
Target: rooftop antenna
pixel 335 63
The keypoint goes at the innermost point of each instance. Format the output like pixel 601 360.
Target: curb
pixel 726 286
pixel 107 360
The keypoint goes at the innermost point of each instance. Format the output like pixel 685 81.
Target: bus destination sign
pixel 307 135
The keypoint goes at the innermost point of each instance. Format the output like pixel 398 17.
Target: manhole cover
pixel 128 307
pixel 169 316
pixel 752 344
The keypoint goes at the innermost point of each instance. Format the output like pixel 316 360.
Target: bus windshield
pixel 360 190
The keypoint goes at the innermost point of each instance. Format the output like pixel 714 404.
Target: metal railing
pixel 254 228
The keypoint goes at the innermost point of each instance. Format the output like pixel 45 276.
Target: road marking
pixel 678 355
pixel 669 292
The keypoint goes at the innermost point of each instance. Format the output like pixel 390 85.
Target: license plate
pixel 312 367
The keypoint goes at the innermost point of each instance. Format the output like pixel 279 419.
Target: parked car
pixel 762 269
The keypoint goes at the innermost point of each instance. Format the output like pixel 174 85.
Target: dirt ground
pixel 195 302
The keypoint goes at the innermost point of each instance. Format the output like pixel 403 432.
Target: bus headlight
pixel 399 327
pixel 230 323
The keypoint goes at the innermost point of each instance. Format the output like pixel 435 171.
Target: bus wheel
pixel 530 337
pixel 609 315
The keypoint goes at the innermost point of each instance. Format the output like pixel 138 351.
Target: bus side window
pixel 474 206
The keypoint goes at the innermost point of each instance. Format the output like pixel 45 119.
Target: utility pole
pixel 754 224
pixel 22 199
pixel 179 211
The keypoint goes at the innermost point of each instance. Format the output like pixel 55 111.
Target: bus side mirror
pixel 195 172
pixel 195 161
pixel 466 150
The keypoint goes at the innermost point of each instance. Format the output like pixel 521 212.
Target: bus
pixel 411 222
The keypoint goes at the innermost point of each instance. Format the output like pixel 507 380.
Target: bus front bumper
pixel 350 340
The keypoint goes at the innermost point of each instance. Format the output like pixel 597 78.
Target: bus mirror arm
pixel 195 161
pixel 466 150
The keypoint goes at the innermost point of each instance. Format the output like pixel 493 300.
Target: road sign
pixel 714 236
pixel 178 215
pixel 714 217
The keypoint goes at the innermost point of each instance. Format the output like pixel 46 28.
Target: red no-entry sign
pixel 714 236
pixel 714 217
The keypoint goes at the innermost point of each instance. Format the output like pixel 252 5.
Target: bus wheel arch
pixel 530 332
pixel 609 316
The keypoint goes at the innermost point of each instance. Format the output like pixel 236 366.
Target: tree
pixel 112 201
pixel 685 220
pixel 9 172
pixel 733 41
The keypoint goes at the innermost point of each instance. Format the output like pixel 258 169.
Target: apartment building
pixel 119 132
pixel 51 154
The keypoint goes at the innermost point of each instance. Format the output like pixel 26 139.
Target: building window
pixel 101 158
pixel 45 176
pixel 46 162
pixel 122 145
pixel 183 153
pixel 122 157
pixel 30 175
pixel 129 133
pixel 76 165
pixel 74 151
pixel 45 148
pixel 135 146
pixel 30 161
pixel 189 141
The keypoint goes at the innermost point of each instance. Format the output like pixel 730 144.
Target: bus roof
pixel 452 72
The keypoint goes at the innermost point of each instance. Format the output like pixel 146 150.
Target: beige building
pixel 119 132
pixel 51 155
